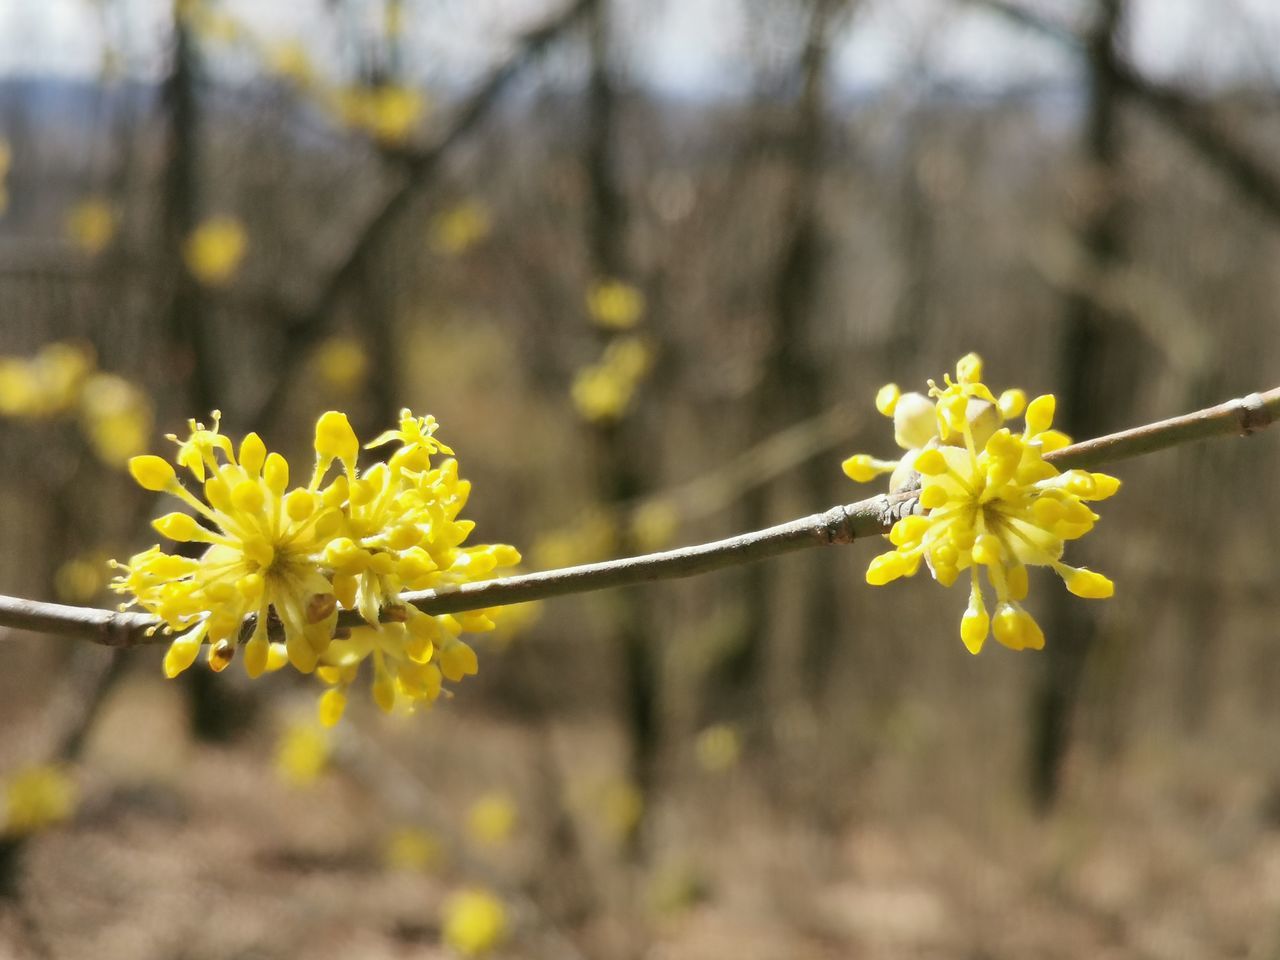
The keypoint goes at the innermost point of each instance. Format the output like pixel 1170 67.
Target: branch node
pixel 1253 414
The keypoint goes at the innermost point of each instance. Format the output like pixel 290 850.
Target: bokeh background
pixel 648 263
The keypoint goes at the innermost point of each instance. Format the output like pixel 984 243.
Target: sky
pixel 680 47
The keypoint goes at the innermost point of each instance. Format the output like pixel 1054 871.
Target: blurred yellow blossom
pixel 82 578
pixel 36 797
pixel 654 524
pixel 718 748
pixel 290 61
pixel 341 363
pixel 990 499
pixel 412 848
pixel 615 305
pixel 475 921
pixel 302 754
pixel 117 418
pixel 613 803
pixel 491 819
pixel 393 19
pixel 390 113
pixel 214 250
pixel 91 225
pixel 515 619
pixel 459 228
pixel 593 536
pixel 603 391
pixel 675 886
pixel 46 385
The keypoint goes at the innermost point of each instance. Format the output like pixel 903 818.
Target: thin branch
pixel 841 524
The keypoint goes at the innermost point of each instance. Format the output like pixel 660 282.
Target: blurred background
pixel 648 263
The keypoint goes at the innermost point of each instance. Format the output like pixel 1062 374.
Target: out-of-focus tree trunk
pixel 1088 396
pixel 791 388
pixel 186 310
pixel 618 477
pixel 217 713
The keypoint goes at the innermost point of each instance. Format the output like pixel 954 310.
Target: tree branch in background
pixel 840 524
pixel 305 327
pixel 1181 113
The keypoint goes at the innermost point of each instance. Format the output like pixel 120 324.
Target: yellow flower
pixel 491 819
pixel 475 921
pixel 116 417
pixel 460 228
pixel 290 61
pixel 341 362
pixel 991 501
pixel 654 524
pixel 264 556
pixel 214 250
pixel 412 848
pixel 36 797
pixel 91 225
pixel 302 754
pixel 603 391
pixel 82 578
pixel 296 555
pixel 593 536
pixel 615 305
pixel 388 112
pixel 718 748
pixel 46 385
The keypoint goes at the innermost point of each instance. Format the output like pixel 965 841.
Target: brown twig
pixel 841 524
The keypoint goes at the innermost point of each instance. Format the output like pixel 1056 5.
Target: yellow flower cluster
pixel 615 305
pixel 91 225
pixel 474 922
pixel 458 229
pixel 388 112
pixel 295 556
pixel 36 797
pixel 62 380
pixel 214 250
pixel 991 500
pixel 302 754
pixel 603 391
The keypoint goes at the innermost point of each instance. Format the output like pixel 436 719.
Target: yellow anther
pixel 335 439
pixel 987 550
pixel 457 660
pixel 1012 403
pixel 253 452
pixel 1086 583
pixel 887 398
pixel 333 703
pixel 886 567
pixel 299 504
pixel 1040 414
pixel 931 463
pixel 861 468
pixel 969 368
pixel 247 496
pixel 1104 486
pixel 152 472
pixel 275 470
pixel 975 624
pixel 180 527
pixel 933 496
